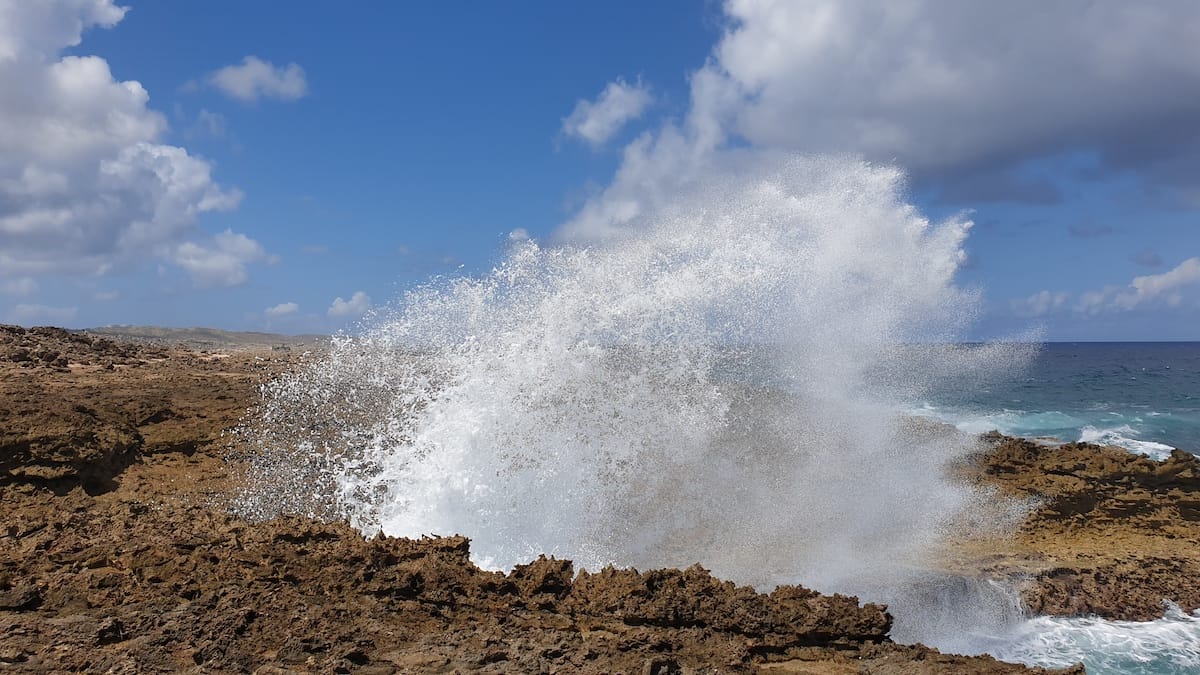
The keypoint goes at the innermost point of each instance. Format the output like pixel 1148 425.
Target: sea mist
pixel 722 382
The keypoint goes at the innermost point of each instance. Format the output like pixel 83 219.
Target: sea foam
pixel 1123 436
pixel 1167 645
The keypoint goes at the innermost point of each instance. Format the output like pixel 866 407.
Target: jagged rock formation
pixel 118 554
pixel 1114 534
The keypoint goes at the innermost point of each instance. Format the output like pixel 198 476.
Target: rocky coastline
pixel 118 552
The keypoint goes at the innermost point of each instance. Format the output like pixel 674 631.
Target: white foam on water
pixel 1038 425
pixel 1009 422
pixel 1168 645
pixel 1123 437
pixel 572 401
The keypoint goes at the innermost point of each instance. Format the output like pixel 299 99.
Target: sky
pixel 258 166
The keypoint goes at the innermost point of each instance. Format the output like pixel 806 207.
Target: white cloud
pixel 598 121
pixel 654 167
pixel 28 315
pixel 223 263
pixel 1169 289
pixel 357 305
pixel 40 29
pixel 19 287
pixel 1041 303
pixel 938 85
pixel 282 309
pixel 519 234
pixel 86 187
pixel 255 79
pixel 944 89
pixel 1166 287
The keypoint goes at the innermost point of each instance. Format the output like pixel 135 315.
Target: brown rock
pixel 117 556
pixel 1114 534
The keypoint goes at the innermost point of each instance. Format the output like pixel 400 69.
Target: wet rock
pixel 118 554
pixel 1116 533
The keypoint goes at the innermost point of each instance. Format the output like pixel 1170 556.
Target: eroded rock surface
pixel 78 409
pixel 118 554
pixel 1114 534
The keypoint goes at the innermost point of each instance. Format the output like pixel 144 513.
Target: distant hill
pixel 208 338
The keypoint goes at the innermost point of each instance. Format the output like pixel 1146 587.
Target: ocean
pixel 1142 396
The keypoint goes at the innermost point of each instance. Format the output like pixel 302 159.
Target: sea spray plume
pixel 721 383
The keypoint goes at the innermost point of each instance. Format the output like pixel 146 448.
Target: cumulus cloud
pixel 942 85
pixel 221 263
pixel 519 234
pixel 357 305
pixel 38 30
pixel 254 79
pixel 282 309
pixel 1167 286
pixel 85 185
pixel 951 91
pixel 597 121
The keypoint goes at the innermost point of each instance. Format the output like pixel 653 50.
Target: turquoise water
pixel 1167 646
pixel 1144 396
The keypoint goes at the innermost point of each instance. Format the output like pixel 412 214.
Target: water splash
pixel 719 384
pixel 1167 645
pixel 1124 436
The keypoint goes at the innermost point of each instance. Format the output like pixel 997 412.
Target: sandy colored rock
pixel 118 554
pixel 1114 534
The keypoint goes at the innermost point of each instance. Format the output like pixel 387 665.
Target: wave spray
pixel 722 383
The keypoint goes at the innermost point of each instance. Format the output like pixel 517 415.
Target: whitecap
pixel 1123 437
pixel 1165 646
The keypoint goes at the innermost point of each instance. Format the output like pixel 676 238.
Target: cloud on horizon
pixel 1178 287
pixel 282 309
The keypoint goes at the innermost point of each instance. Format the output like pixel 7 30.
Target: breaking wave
pixel 1167 645
pixel 720 383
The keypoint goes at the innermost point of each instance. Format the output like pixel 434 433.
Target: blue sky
pixel 301 155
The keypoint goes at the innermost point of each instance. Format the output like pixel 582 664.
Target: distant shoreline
pixel 200 338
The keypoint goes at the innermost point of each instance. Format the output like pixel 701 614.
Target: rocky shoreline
pixel 1113 535
pixel 118 552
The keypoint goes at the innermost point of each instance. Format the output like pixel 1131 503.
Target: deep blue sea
pixel 1143 396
